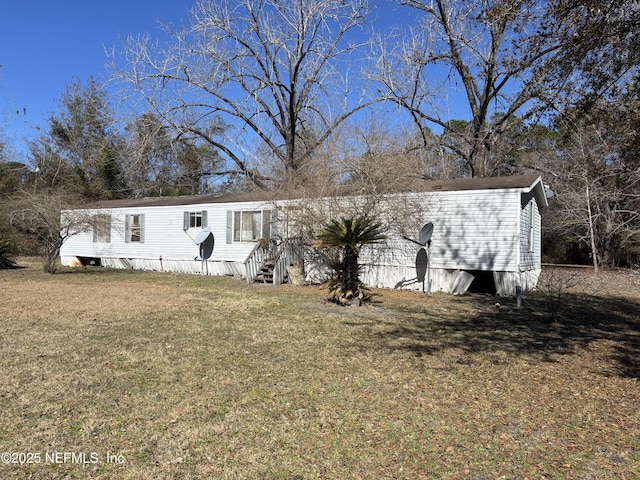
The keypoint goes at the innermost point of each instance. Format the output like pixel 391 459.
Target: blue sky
pixel 46 44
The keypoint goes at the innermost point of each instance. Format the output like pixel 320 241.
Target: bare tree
pixel 598 194
pixel 478 54
pixel 278 72
pixel 40 214
pixel 363 171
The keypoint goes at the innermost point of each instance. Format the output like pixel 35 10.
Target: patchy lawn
pixel 150 375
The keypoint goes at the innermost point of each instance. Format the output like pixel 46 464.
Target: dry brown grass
pixel 192 377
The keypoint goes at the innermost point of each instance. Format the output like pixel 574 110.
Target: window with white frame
pixel 531 239
pixel 135 228
pixel 102 228
pixel 248 226
pixel 195 220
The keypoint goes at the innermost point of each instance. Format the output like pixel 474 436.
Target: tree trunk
pixel 592 237
pixel 351 282
pixel 50 263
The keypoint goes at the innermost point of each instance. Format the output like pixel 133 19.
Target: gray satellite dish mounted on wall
pixel 202 236
pixel 424 237
pixel 205 241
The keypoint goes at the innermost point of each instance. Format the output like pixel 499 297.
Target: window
pixel 531 239
pixel 195 220
pixel 248 226
pixel 135 228
pixel 101 229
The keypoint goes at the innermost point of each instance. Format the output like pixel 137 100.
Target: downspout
pixel 518 287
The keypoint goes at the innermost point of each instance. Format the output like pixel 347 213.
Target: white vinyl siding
pixel 530 233
pixel 473 230
pixel 164 236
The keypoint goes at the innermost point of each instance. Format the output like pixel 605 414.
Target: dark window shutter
pixel 127 228
pixel 229 226
pixel 204 218
pixel 185 221
pixel 142 228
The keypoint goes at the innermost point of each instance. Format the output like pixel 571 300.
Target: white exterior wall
pixel 473 230
pixel 530 226
pixel 485 230
pixel 164 237
pixel 478 230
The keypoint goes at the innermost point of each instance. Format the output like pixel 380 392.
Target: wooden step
pixel 265 275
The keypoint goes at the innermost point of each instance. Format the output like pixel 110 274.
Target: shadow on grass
pixel 11 266
pixel 473 325
pixel 87 271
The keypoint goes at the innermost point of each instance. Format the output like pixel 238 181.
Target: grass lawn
pixel 150 375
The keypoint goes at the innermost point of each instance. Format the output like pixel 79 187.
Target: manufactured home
pixel 484 234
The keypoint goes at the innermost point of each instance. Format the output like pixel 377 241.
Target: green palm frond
pixel 351 233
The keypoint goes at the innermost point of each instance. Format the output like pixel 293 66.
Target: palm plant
pixel 6 261
pixel 344 238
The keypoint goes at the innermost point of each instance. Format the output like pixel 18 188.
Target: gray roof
pixel 488 183
pixel 183 200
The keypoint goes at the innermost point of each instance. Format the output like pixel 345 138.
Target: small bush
pixel 553 285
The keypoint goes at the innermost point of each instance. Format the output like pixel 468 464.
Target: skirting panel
pixel 167 265
pixel 445 280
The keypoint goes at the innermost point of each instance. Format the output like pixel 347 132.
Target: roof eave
pixel 537 188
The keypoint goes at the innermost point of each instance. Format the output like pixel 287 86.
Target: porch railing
pixel 254 261
pixel 290 251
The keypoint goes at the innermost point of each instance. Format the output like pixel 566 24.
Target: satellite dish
pixel 202 236
pixel 425 234
pixel 206 246
pixel 548 192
